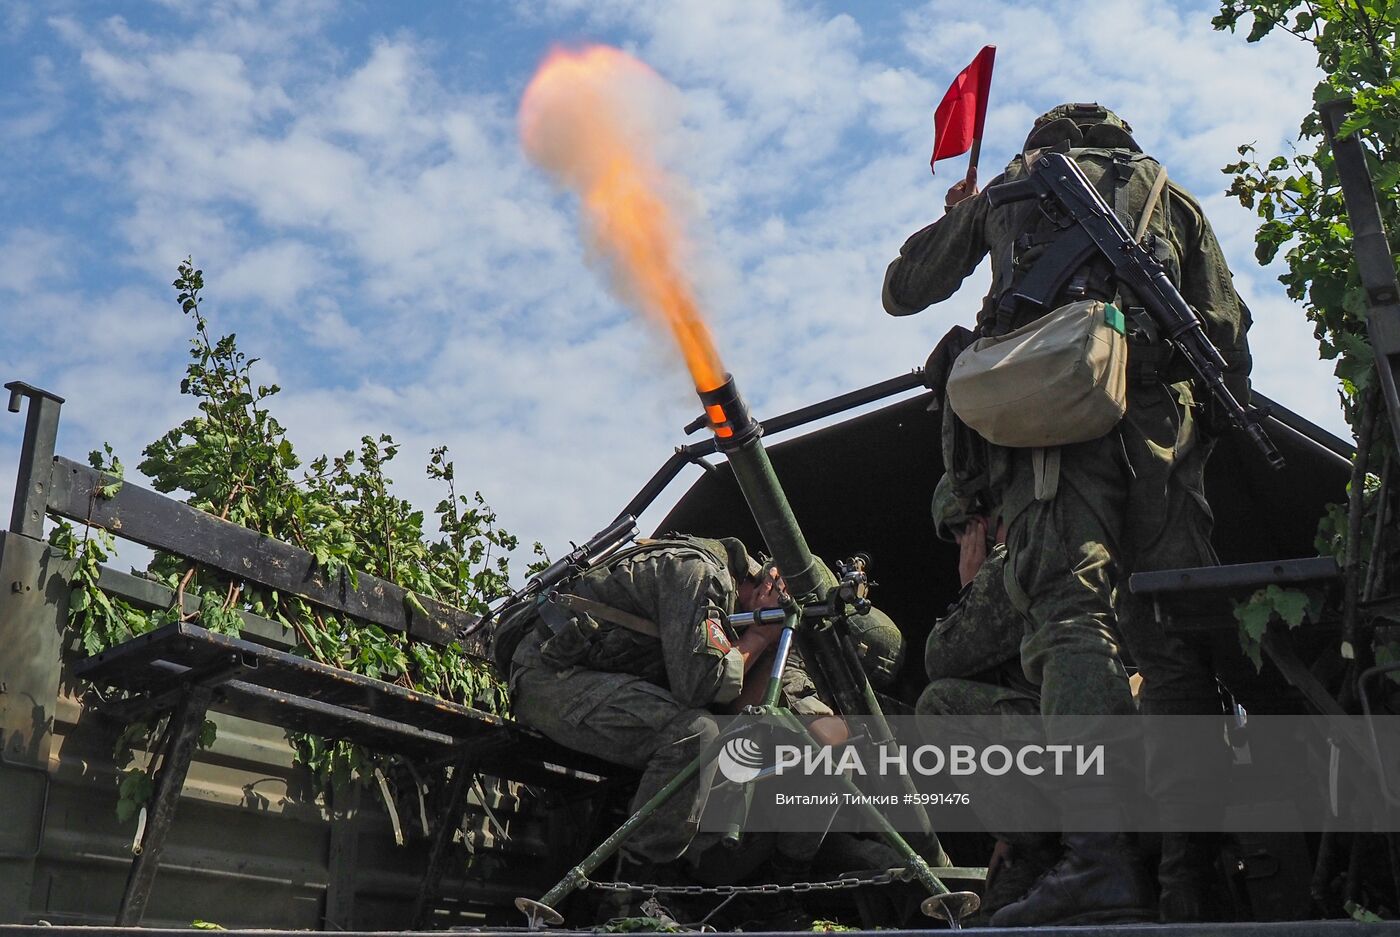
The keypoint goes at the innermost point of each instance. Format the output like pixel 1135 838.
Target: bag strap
pixel 607 613
pixel 1122 171
pixel 1045 463
pixel 1158 184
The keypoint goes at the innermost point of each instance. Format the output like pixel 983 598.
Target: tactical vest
pixel 1125 178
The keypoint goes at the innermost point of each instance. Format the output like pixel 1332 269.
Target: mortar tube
pixel 739 437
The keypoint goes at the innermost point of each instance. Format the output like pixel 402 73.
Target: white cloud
pixel 369 227
pixel 276 274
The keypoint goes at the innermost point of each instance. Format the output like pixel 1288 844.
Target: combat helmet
pixel 1088 124
pixel 879 644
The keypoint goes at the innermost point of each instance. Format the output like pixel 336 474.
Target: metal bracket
pixel 36 457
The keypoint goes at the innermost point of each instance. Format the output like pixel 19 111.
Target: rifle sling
pixel 607 613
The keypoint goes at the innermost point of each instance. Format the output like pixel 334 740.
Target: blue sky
pixel 349 179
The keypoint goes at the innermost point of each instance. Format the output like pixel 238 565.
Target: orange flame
pixel 584 120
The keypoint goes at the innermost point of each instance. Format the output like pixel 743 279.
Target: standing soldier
pixel 1083 516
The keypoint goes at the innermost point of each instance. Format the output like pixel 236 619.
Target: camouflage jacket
pixel 686 591
pixel 933 262
pixel 981 631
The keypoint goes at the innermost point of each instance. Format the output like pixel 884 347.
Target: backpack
pixel 1130 181
pixel 1044 377
pixel 512 624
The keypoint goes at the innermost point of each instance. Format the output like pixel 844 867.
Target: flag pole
pixel 972 162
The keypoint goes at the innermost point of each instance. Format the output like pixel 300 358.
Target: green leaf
pixel 1254 616
pixel 1290 604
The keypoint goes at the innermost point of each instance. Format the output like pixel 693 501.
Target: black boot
pixel 1100 880
pixel 1190 879
pixel 1030 859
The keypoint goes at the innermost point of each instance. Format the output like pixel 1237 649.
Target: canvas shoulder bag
pixel 1058 380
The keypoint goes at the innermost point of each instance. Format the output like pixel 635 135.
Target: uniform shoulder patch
pixel 716 637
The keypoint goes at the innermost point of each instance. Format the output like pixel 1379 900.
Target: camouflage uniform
pixel 1131 500
pixel 641 701
pixel 973 654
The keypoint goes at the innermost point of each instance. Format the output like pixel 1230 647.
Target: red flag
pixel 958 121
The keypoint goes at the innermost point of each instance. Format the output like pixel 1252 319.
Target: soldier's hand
pixel 972 548
pixel 960 190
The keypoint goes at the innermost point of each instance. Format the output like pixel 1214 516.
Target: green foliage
pixel 233 459
pixel 135 789
pixel 1298 199
pixel 1358 912
pixel 1274 603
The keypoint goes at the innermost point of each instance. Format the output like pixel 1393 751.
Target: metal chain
pixel 887 877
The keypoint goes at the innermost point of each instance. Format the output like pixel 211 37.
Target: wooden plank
pixel 129 665
pixel 145 593
pixel 153 520
pixel 294 692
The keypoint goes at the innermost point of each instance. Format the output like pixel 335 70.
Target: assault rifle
pixel 1069 199
pixel 581 559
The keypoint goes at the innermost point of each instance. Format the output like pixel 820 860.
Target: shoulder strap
pixel 1122 171
pixel 607 613
pixel 1158 184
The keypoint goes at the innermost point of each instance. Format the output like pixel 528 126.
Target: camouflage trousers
pixel 972 659
pixel 1130 501
pixel 958 696
pixel 632 722
pixel 1013 816
pixel 628 720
